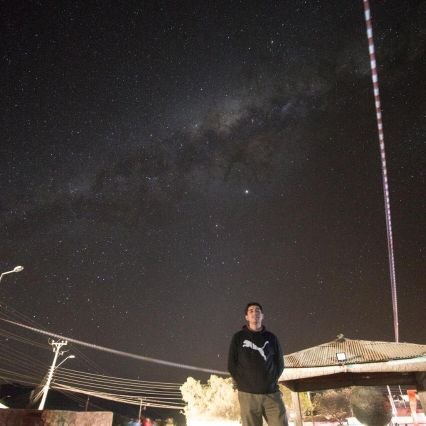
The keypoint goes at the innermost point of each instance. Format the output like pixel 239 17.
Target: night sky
pixel 163 163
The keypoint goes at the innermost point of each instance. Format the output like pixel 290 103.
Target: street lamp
pixel 68 357
pixel 57 350
pixel 15 269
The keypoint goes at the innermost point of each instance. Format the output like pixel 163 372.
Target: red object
pixel 412 398
pixel 413 404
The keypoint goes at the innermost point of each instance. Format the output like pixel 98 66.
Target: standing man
pixel 256 362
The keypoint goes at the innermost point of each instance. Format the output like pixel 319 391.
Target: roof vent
pixel 340 338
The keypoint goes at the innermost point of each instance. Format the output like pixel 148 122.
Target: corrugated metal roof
pixel 356 352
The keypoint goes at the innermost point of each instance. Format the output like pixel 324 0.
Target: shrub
pixel 370 406
pixel 333 404
pixel 215 400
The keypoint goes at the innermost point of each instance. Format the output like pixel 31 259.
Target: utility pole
pixel 140 411
pixel 56 347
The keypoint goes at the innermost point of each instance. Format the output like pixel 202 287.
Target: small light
pixel 341 356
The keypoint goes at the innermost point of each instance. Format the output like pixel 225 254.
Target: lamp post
pixel 57 350
pixel 15 269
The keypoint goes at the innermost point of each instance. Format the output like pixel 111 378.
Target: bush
pixel 215 400
pixel 370 406
pixel 333 404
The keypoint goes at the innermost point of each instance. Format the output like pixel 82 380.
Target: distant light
pixel 341 356
pixel 246 191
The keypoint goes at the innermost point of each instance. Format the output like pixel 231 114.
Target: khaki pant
pixel 254 407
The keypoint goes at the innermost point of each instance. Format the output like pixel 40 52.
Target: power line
pixel 28 370
pixel 127 399
pixel 117 352
pixel 14 315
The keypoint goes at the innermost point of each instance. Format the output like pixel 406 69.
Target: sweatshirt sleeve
pixel 280 360
pixel 232 358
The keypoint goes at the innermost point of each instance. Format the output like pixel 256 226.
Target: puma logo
pixel 248 344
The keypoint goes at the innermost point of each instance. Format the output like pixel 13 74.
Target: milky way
pixel 161 167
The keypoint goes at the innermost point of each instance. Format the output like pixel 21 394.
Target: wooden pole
pixel 298 421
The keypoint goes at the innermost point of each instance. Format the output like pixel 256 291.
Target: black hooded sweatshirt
pixel 255 361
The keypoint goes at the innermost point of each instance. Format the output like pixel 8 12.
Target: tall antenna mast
pixel 375 78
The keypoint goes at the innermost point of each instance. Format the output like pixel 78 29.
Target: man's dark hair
pixel 253 304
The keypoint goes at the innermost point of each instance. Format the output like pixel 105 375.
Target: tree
pixel 333 404
pixel 215 400
pixel 370 406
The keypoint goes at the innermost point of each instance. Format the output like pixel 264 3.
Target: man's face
pixel 254 315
